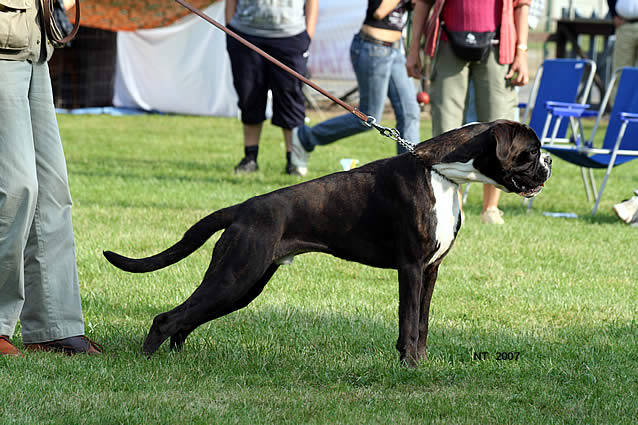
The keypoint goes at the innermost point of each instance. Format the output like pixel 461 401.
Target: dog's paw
pixel 409 361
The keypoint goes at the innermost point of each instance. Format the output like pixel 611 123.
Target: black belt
pixel 365 37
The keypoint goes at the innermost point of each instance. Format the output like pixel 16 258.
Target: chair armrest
pixel 566 109
pixel 567 112
pixel 628 116
pixel 522 105
pixel 576 106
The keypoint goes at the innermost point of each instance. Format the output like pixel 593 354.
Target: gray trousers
pixel 38 270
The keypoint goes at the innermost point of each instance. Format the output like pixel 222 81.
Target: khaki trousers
pixel 38 271
pixel 495 97
pixel 625 49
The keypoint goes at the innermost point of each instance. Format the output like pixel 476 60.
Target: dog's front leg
pixel 410 288
pixel 429 278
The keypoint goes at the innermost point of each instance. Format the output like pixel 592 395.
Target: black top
pixel 395 20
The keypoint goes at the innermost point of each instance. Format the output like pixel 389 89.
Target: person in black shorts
pixel 283 31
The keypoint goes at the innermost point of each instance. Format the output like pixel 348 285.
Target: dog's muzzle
pixel 546 161
pixel 528 190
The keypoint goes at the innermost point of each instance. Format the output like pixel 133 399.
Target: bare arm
pixel 231 8
pixel 384 8
pixel 312 11
pixel 519 69
pixel 419 17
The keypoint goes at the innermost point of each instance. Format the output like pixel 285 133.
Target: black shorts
pixel 254 75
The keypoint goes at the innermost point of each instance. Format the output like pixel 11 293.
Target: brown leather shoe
pixel 70 346
pixel 6 348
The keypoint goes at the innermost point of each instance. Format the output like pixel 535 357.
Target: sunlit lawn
pixel 318 345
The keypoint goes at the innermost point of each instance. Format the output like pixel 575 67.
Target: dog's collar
pixel 443 176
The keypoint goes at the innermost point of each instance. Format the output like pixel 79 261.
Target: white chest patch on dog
pixel 447 211
pixel 464 172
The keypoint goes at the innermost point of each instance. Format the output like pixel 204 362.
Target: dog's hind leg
pixel 178 338
pixel 240 268
pixel 207 303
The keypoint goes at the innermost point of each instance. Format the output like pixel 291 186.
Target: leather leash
pixel 369 121
pixel 48 23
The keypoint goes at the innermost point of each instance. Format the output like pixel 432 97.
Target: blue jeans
pixel 380 72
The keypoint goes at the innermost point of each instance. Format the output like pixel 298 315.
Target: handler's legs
pixel 44 280
pixel 18 188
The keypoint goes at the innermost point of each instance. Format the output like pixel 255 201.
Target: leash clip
pixel 370 122
pixel 391 133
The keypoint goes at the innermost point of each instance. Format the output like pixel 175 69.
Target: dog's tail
pixel 194 238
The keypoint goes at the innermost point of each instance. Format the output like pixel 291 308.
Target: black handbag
pixel 470 45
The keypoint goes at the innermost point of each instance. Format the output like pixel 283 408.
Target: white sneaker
pixel 299 155
pixel 627 210
pixel 492 215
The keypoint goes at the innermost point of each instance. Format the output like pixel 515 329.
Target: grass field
pixel 317 346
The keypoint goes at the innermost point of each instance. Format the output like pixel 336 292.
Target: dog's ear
pixel 503 136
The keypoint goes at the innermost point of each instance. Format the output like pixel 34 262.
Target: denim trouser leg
pixel 403 99
pixel 330 131
pixel 376 68
pixel 38 271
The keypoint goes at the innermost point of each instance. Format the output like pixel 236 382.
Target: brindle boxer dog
pixel 398 213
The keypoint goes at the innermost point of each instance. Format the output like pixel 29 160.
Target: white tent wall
pixel 184 68
pixel 337 22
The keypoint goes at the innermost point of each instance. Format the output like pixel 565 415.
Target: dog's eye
pixel 531 154
pixel 525 156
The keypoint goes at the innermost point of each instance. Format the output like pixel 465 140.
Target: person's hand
pixel 618 21
pixel 413 64
pixel 519 72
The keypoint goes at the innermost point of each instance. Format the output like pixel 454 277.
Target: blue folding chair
pixel 558 80
pixel 620 144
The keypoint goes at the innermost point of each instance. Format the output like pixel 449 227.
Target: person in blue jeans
pixel 379 64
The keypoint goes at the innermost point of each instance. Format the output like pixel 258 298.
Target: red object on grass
pixel 423 97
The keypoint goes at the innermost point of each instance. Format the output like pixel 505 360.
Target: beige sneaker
pixel 299 155
pixel 492 215
pixel 627 210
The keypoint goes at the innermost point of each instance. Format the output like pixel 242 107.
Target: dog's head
pixel 504 153
pixel 514 160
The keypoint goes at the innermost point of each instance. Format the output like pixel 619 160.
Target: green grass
pixel 318 345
